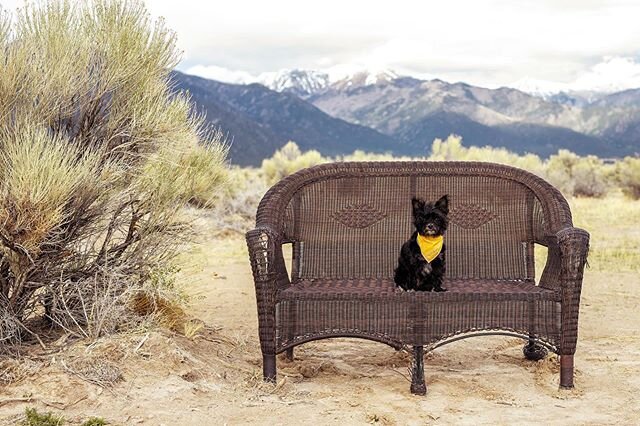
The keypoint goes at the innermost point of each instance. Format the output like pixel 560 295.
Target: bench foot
pixel 288 354
pixel 269 368
pixel 566 371
pixel 418 387
pixel 534 351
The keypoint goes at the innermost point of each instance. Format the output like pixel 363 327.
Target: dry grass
pixel 96 370
pixel 167 312
pixel 615 235
pixel 192 328
pixel 14 370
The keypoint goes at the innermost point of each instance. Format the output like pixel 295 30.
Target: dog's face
pixel 429 218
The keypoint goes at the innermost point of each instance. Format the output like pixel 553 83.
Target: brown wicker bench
pixel 346 223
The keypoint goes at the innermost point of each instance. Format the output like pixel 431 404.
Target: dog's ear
pixel 418 205
pixel 443 204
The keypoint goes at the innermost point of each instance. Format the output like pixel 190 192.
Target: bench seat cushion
pixel 457 290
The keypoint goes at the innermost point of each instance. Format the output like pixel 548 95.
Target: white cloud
pixel 488 43
pixel 215 72
pixel 610 75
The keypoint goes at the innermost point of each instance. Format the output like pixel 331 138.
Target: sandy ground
pixel 214 376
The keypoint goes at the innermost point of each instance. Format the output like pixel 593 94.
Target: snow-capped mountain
pixel 560 93
pixel 540 88
pixel 365 78
pixel 297 81
pixel 305 83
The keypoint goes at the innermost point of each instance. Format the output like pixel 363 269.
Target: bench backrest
pixel 349 220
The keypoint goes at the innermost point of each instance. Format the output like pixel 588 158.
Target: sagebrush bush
pixel 451 149
pixel 97 157
pixel 359 155
pixel 570 173
pixel 627 175
pixel 575 175
pixel 236 210
pixel 287 160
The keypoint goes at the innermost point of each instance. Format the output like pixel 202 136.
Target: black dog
pixel 414 271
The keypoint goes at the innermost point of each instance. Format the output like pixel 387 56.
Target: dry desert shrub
pixel 452 149
pixel 581 176
pixel 287 160
pixel 627 175
pixel 359 155
pixel 97 157
pixel 572 174
pixel 236 211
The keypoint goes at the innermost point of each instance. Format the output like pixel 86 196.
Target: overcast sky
pixel 581 43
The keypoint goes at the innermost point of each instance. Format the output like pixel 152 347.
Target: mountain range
pixel 258 121
pixel 386 112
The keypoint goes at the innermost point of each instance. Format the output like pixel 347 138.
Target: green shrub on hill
pixel 627 175
pixel 572 174
pixel 287 160
pixel 360 155
pixel 451 149
pixel 580 176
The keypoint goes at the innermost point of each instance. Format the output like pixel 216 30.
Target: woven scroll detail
pixel 471 216
pixel 358 215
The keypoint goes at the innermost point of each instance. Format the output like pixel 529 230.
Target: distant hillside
pixel 416 111
pixel 384 112
pixel 616 117
pixel 260 120
pixel 517 137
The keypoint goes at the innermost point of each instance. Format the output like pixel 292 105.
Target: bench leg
pixel 289 354
pixel 566 371
pixel 418 387
pixel 269 368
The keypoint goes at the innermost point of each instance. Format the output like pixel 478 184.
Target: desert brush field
pixel 204 367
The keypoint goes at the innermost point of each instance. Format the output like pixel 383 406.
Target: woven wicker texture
pixel 347 222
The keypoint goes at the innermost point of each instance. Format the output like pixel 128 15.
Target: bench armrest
pixel 567 256
pixel 568 250
pixel 265 255
pixel 269 274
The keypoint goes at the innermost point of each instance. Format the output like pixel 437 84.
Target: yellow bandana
pixel 430 247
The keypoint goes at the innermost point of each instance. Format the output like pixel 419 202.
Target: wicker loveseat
pixel 346 223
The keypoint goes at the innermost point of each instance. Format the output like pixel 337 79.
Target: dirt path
pixel 214 378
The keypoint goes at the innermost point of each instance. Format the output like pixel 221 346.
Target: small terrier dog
pixel 421 265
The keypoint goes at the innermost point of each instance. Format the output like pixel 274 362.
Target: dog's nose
pixel 430 227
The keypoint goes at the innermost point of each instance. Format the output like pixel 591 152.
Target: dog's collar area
pixel 430 247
